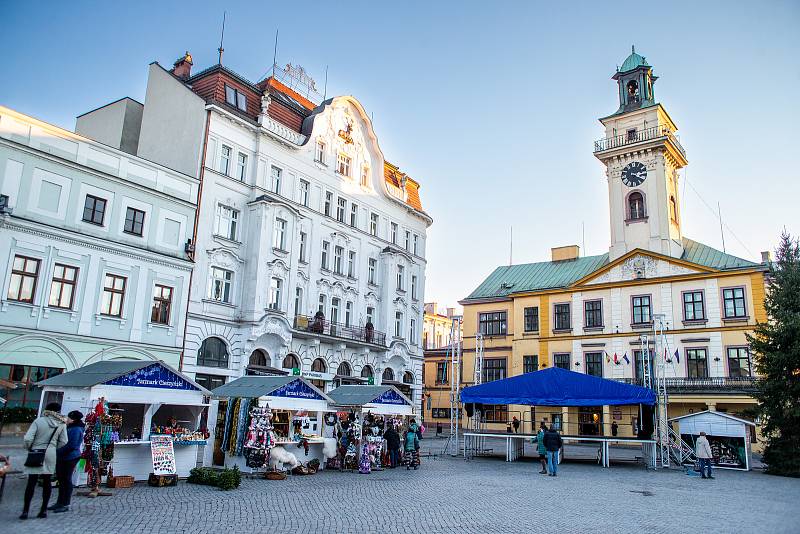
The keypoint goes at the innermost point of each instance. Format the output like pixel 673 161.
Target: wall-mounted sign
pixel 153 376
pixel 297 389
pixel 316 375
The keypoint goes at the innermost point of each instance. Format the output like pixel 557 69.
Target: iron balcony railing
pixel 721 384
pixel 638 136
pixel 316 325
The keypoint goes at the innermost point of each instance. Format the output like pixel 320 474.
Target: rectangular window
pixel 530 364
pixel 373 267
pixel 94 210
pixel 24 274
pixel 393 233
pixel 414 287
pixel 739 362
pixel 209 381
pixel 113 295
pixel 351 263
pixel 401 274
pixel 319 154
pixel 162 304
pixel 304 189
pixel 440 413
pixel 561 360
pixel 408 240
pixel 298 300
pixel 341 208
pixel 343 165
pixel 373 224
pixel 321 305
pixel 641 309
pixel 335 301
pixel 134 221
pixel 225 160
pixel 275 174
pixel 62 290
pixel 492 323
pixel 303 245
pixel 241 166
pixel 593 314
pixel 338 253
pixel 733 302
pixel 325 251
pixel 531 316
pixel 693 306
pixel 365 176
pixel 494 369
pixel 219 288
pixel 441 372
pixel 412 331
pixel 275 289
pixel 696 363
pixel 495 413
pixel 594 363
pixel 354 215
pixel 348 313
pixel 235 98
pixel 328 202
pixel 279 235
pixel 370 314
pixel 562 317
pixel 416 245
pixel 398 324
pixel 226 222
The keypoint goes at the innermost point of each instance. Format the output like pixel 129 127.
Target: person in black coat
pixel 552 444
pixel 393 445
pixel 67 458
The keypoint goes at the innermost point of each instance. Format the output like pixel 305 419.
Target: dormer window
pixel 235 98
pixel 343 165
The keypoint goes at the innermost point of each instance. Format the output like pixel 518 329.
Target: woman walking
pixel 412 447
pixel 46 434
pixel 67 458
pixel 539 440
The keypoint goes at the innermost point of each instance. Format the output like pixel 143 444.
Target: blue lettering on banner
pixel 153 376
pixel 297 389
pixel 390 396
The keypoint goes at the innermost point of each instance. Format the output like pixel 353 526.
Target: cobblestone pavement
pixel 446 495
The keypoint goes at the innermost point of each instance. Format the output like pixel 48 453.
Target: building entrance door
pixel 590 421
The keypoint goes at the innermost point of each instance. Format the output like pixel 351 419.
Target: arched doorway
pixel 343 374
pixel 407 385
pixel 213 353
pixel 388 375
pixel 258 364
pixel 368 373
pixel 319 366
pixel 291 362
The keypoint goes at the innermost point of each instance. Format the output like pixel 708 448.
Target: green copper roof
pixel 510 279
pixel 632 61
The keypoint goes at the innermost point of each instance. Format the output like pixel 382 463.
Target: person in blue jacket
pixel 66 459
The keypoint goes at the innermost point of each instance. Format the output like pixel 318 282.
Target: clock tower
pixel 642 156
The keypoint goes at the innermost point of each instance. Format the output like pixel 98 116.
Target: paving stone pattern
pixel 446 495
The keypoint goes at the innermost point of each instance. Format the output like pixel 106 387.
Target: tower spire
pixel 222 38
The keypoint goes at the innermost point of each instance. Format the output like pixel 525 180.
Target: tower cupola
pixel 635 80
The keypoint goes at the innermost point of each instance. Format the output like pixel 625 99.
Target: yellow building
pixel 588 314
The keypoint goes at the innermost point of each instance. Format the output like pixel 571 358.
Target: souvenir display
pixel 260 437
pixel 102 431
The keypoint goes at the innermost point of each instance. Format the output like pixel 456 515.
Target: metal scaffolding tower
pixel 660 355
pixel 451 446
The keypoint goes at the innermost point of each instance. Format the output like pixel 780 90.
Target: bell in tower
pixel 635 79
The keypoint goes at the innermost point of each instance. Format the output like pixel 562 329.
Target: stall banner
pixel 163 453
pixel 153 376
pixel 297 389
pixel 390 396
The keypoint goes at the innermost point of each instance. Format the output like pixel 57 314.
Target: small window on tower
pixel 635 206
pixel 631 135
pixel 633 91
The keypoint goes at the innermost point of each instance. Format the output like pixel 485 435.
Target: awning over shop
pixel 384 399
pixel 288 392
pixel 557 387
pixel 143 374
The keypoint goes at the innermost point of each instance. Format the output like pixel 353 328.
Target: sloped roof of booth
pixel 557 387
pixel 713 412
pixel 632 61
pixel 104 372
pixel 351 395
pixel 261 386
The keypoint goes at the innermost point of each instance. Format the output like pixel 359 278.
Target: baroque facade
pixel 92 254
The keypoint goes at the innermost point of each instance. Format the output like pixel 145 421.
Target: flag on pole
pixel 616 360
pixel 677 356
pixel 608 358
pixel 666 356
pixel 625 357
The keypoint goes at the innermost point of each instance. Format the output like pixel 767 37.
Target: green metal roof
pixel 632 61
pixel 510 279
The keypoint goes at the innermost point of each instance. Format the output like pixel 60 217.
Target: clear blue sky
pixel 491 106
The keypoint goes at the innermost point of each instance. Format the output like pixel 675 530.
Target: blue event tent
pixel 557 387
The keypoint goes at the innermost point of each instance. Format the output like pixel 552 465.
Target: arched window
pixel 213 353
pixel 291 362
pixel 258 358
pixel 366 372
pixel 408 377
pixel 673 208
pixel 388 374
pixel 636 206
pixel 319 366
pixel 343 369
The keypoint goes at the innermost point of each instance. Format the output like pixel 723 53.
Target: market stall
pixel 271 422
pixel 132 401
pixel 364 414
pixel 729 436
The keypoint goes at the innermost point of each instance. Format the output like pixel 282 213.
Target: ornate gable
pixel 639 265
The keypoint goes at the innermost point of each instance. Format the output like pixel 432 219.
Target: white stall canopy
pixel 713 424
pixel 381 400
pixel 281 392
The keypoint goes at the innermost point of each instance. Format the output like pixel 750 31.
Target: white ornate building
pixel 299 213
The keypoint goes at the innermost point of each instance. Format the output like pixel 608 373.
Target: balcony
pixel 639 136
pixel 323 327
pixel 723 385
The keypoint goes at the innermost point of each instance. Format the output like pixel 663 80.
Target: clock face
pixel 634 174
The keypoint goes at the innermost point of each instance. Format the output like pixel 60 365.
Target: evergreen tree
pixel 776 348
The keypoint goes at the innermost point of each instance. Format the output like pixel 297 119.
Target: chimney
pixel 451 313
pixel 766 256
pixel 570 252
pixel 183 67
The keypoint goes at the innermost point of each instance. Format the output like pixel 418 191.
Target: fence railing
pixel 746 383
pixel 637 136
pixel 314 325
